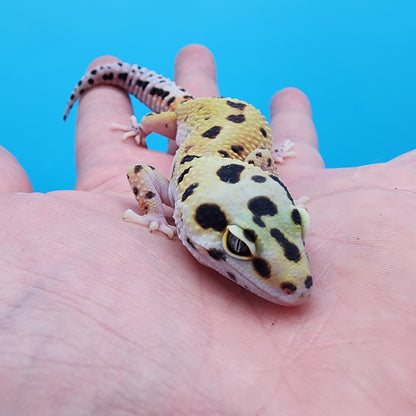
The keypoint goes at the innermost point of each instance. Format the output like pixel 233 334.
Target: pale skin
pixel 98 316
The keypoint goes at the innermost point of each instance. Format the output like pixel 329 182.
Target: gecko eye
pixel 236 244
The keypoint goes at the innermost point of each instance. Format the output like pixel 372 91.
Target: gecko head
pixel 269 258
pixel 253 234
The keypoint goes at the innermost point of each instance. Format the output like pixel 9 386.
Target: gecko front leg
pixel 150 189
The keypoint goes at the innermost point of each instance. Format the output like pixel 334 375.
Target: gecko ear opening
pixel 236 244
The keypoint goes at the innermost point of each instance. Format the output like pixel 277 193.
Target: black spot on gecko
pixel 223 153
pixel 236 118
pixel 263 132
pixel 258 179
pixel 232 276
pixel 288 287
pixel 170 101
pixel 296 218
pixel 290 250
pixel 136 190
pixel 261 267
pixel 182 175
pixel 108 77
pixel 308 282
pixel 216 254
pixel 188 158
pixel 237 148
pixel 190 242
pixel 230 173
pixel 142 84
pixel 159 92
pixel 81 91
pixel 94 72
pixel 91 81
pixel 212 133
pixel 122 76
pixel 276 178
pixel 189 191
pixel 262 205
pixel 211 216
pixel 138 168
pixel 250 235
pixel 239 106
pixel 259 221
pixel 150 195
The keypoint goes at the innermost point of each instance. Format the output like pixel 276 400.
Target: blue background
pixel 355 60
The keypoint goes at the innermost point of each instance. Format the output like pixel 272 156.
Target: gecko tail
pixel 153 90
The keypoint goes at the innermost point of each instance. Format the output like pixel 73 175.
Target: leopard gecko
pixel 231 209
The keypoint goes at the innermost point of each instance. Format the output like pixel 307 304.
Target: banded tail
pixel 153 90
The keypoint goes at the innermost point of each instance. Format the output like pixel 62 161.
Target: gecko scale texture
pixel 231 209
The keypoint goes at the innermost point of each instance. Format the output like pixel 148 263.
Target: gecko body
pixel 231 209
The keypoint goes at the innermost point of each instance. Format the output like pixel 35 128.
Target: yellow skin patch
pixel 231 209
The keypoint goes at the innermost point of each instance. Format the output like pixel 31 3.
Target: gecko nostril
pixel 288 288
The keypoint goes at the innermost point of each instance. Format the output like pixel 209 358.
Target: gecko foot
pixel 283 152
pixel 135 130
pixel 154 223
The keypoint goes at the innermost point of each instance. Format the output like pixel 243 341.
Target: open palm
pixel 98 316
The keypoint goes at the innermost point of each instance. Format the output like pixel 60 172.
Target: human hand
pixel 98 316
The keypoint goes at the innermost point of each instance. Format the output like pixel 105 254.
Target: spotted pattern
pixel 258 178
pixel 236 118
pixel 308 282
pixel 189 158
pixel 183 174
pixel 232 276
pixel 189 191
pixel 262 267
pixel 296 218
pixel 108 77
pixel 216 254
pixel 262 205
pixel 250 235
pixel 290 250
pixel 212 133
pixel 223 153
pixel 230 173
pixel 191 243
pixel 237 148
pixel 239 106
pixel 211 216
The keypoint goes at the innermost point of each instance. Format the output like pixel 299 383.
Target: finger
pixel 102 157
pixel 195 71
pixel 12 176
pixel 291 118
